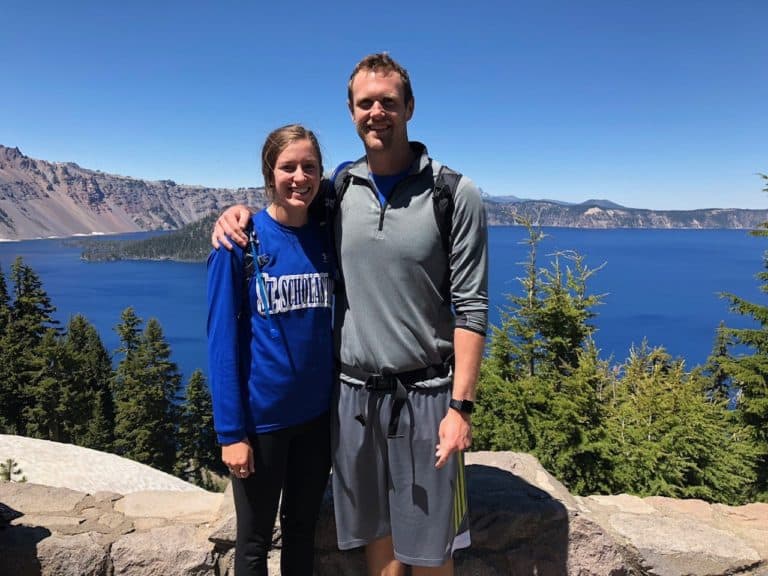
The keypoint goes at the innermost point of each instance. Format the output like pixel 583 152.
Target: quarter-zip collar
pixel 420 163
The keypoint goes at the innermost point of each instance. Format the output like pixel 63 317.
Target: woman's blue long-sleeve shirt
pixel 268 373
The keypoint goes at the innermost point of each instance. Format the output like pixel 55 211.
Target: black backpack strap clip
pixel 253 262
pixel 249 266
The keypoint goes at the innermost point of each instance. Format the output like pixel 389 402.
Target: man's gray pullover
pixel 391 316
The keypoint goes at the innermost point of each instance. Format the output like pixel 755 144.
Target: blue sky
pixel 654 104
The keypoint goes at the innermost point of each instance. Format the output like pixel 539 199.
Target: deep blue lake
pixel 661 285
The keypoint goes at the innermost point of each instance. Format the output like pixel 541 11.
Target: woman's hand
pixel 238 457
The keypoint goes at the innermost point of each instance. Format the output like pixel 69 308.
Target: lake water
pixel 659 284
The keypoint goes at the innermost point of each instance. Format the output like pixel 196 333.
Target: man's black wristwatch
pixel 463 406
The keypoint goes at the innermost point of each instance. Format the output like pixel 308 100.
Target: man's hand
pixel 456 428
pixel 238 457
pixel 230 227
pixel 455 435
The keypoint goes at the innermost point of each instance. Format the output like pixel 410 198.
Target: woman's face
pixel 296 178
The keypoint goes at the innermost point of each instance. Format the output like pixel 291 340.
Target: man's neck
pixel 389 162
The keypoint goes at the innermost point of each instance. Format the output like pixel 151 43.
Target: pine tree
pixel 13 396
pixel 503 417
pixel 67 388
pixel 538 388
pixel 749 372
pixel 502 420
pixel 5 303
pixel 669 438
pixel 145 386
pixel 569 427
pixel 128 391
pixel 30 317
pixel 546 325
pixel 564 318
pixel 7 387
pixel 198 453
pixel 101 429
pixel 129 331
pixel 717 380
pixel 91 374
pixel 515 347
pixel 32 307
pixel 165 378
pixel 55 403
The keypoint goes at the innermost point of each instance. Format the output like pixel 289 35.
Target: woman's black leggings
pixel 296 461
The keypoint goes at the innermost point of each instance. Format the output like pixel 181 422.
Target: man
pixel 408 349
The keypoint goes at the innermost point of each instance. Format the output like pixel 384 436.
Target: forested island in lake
pixel 191 243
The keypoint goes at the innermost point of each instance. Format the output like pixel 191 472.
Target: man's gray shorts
pixel 384 486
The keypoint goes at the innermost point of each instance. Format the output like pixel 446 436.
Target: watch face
pixel 465 406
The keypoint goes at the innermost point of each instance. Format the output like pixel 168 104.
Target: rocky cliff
pixel 523 520
pixel 600 214
pixel 40 199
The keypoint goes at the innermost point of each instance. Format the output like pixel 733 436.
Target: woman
pixel 270 355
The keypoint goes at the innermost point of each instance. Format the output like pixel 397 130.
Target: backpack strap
pixel 443 191
pixel 341 179
pixel 323 208
pixel 446 183
pixel 253 262
pixel 333 190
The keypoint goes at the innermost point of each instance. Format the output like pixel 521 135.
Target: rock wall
pixel 523 522
pixel 39 199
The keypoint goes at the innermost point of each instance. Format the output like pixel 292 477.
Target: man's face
pixel 379 110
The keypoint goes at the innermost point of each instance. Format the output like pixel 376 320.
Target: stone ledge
pixel 523 522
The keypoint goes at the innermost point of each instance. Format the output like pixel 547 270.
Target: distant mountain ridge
pixel 603 204
pixel 39 198
pixel 603 216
